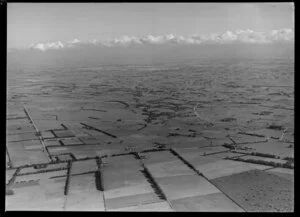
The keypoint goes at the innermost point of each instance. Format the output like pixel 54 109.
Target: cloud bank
pixel 239 36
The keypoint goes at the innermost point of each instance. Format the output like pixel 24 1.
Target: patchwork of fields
pixel 194 137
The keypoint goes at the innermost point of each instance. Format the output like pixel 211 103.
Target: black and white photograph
pixel 150 107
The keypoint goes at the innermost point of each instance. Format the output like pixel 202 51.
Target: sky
pixel 36 24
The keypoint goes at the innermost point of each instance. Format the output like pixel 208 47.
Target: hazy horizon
pixel 148 54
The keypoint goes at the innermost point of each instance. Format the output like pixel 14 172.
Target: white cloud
pixel 228 36
pixel 150 39
pixel 282 35
pixel 74 41
pixel 48 46
pixel 250 36
pixel 238 36
pixel 126 40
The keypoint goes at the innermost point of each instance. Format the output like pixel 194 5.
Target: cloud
pixel 48 46
pixel 228 36
pixel 282 35
pixel 247 36
pixel 250 36
pixel 125 40
pixel 74 41
pixel 150 39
